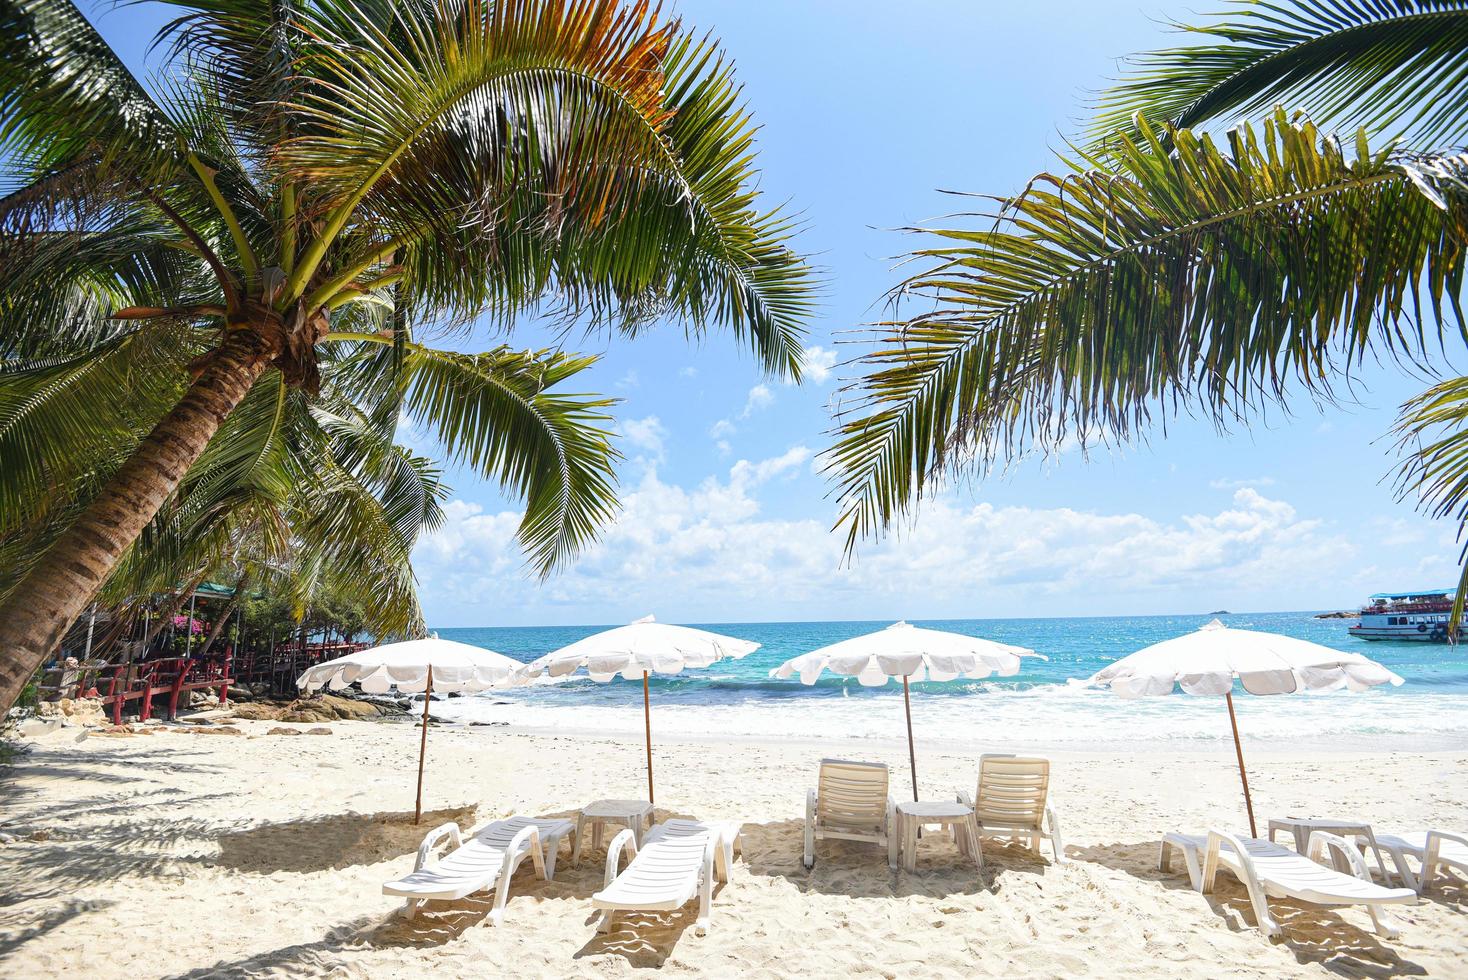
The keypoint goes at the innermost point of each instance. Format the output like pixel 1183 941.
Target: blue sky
pixel 867 110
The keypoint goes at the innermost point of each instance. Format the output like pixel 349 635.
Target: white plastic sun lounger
pixel 1270 871
pixel 850 803
pixel 491 854
pixel 1013 801
pixel 678 859
pixel 1433 849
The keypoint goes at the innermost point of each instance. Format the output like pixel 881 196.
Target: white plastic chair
pixel 1433 849
pixel 1012 800
pixel 677 860
pixel 1270 871
pixel 491 855
pixel 850 803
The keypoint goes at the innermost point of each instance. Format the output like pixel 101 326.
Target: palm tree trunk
pixel 36 615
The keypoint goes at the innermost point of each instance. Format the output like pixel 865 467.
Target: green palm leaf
pixel 62 418
pixel 1394 66
pixel 1203 280
pixel 541 148
pixel 65 95
pixel 1433 439
pixel 497 413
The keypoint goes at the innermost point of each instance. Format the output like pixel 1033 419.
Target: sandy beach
pixel 176 854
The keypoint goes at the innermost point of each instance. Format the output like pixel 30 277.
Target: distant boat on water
pixel 1420 616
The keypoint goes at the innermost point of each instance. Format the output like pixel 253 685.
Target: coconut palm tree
pixel 1161 269
pixel 299 164
pixel 291 492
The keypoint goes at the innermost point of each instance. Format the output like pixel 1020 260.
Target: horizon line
pixel 909 619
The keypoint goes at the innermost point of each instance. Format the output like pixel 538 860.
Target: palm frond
pixel 517 90
pixel 61 419
pixel 628 203
pixel 58 290
pixel 1432 431
pixel 699 247
pixel 499 413
pixel 1204 280
pixel 248 54
pixel 65 95
pixel 1398 67
pixel 354 537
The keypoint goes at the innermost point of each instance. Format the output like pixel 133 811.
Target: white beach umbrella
pixel 1209 660
pixel 636 650
pixel 910 653
pixel 413 666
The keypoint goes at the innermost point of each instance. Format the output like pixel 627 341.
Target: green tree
pixel 301 166
pixel 324 496
pixel 1161 270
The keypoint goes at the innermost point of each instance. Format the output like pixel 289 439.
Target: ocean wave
pixel 1053 715
pixel 737 698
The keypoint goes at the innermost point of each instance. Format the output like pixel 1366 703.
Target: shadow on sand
pixel 1314 934
pixel 19 928
pixel 860 870
pixel 331 841
pixel 157 846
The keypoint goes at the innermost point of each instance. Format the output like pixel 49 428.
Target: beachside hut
pixel 907 653
pixel 1211 659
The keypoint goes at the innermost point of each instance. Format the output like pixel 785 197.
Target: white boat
pixel 1420 616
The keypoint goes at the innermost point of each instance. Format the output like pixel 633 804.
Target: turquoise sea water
pixel 1036 706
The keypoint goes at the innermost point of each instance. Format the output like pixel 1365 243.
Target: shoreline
pixel 1363 745
pixel 1186 726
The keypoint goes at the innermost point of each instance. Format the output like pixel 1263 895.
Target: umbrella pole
pixel 911 755
pixel 1239 751
pixel 647 728
pixel 423 747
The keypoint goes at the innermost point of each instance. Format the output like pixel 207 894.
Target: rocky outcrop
pixel 329 707
pixel 315 710
pixel 1346 614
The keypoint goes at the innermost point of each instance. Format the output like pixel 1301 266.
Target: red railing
pixel 170 676
pixel 279 667
pixel 148 681
pixel 1406 608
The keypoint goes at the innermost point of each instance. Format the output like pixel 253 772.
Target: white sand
pixel 178 854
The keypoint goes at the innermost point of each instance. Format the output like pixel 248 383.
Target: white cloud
pixel 1252 481
pixel 767 469
pixel 629 380
pixel 646 434
pixel 760 397
pixel 688 371
pixel 711 553
pixel 819 364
